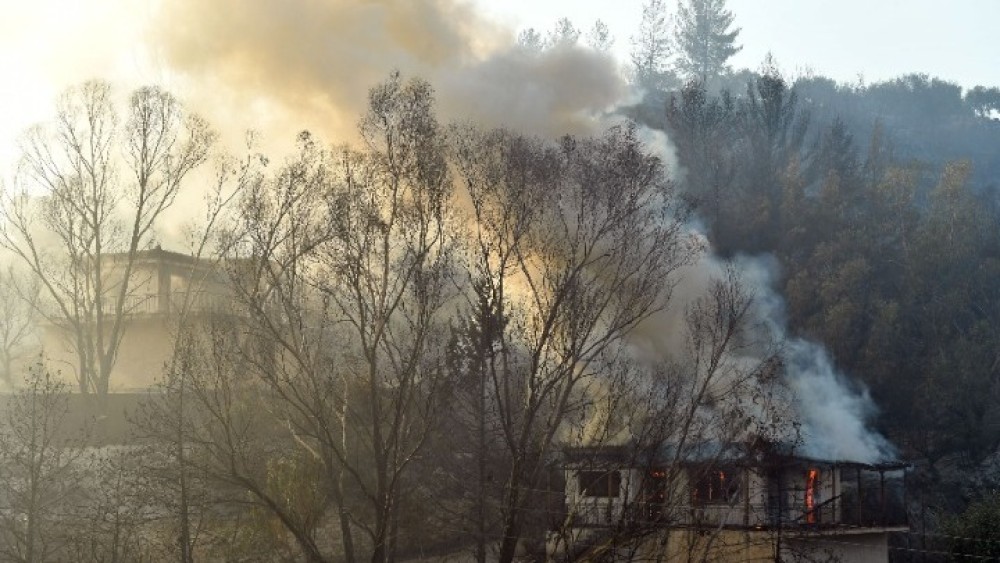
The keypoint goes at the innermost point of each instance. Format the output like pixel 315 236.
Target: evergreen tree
pixel 704 39
pixel 599 38
pixel 565 34
pixel 530 40
pixel 651 48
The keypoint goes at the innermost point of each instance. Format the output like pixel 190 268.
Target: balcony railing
pixel 146 303
pixel 173 303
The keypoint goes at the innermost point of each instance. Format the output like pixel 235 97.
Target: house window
pixel 599 484
pixel 715 486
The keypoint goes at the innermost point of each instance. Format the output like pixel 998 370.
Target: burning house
pixel 727 503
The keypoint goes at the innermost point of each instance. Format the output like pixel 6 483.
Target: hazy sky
pixel 46 45
pixel 880 39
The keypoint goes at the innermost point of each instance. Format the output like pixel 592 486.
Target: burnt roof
pixel 733 453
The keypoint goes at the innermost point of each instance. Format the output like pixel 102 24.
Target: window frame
pixel 716 485
pixel 608 483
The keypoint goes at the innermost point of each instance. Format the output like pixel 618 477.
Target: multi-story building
pixel 162 284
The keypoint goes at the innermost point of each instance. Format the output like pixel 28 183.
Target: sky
pixel 842 39
pixel 47 45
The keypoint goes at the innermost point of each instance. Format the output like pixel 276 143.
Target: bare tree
pixel 109 521
pixel 18 302
pixel 576 243
pixel 177 487
pixel 90 192
pixel 189 458
pixel 390 268
pixel 340 270
pixel 219 431
pixel 39 454
pixel 718 398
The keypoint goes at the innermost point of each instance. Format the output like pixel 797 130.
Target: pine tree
pixel 651 48
pixel 704 40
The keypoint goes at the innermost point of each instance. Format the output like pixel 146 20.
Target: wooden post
pixel 860 495
pixel 881 476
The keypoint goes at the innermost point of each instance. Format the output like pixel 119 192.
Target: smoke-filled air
pixel 497 282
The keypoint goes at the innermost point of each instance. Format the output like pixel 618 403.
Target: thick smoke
pixel 833 413
pixel 309 64
pixel 281 67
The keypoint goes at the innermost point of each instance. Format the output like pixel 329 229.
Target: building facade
pixel 727 504
pixel 162 285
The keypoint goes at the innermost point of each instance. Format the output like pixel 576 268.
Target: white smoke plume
pixel 834 413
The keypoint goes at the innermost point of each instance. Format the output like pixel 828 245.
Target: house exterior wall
pixel 161 282
pixel 796 508
pixel 721 546
pixel 736 546
pixel 856 548
pixel 748 509
pixel 146 346
pixel 752 545
pixel 601 511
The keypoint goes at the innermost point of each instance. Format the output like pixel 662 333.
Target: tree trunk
pixel 184 539
pixel 345 521
pixel 512 519
pixel 481 493
pixel 345 531
pixel 511 533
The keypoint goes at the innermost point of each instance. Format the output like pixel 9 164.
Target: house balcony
pixel 141 305
pixel 172 303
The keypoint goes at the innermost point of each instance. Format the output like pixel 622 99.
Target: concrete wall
pixel 854 548
pixel 718 545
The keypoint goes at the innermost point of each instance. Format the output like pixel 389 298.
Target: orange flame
pixel 811 477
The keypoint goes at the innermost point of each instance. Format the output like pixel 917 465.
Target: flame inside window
pixel 716 486
pixel 812 479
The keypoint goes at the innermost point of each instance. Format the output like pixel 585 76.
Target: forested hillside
pixel 878 204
